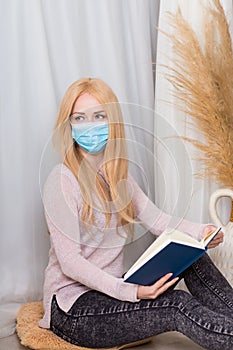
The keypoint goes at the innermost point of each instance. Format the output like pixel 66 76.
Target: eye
pixel 77 118
pixel 100 116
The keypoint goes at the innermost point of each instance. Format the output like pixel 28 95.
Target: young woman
pixel 91 206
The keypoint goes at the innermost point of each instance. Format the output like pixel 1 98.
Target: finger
pixel 219 235
pixel 217 240
pixel 220 239
pixel 170 283
pixel 214 244
pixel 162 280
pixel 167 285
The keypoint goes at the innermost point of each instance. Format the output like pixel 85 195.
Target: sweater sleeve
pixel 155 220
pixel 61 212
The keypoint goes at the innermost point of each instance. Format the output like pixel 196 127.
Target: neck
pixel 95 160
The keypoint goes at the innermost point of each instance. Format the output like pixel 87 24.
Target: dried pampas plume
pixel 203 81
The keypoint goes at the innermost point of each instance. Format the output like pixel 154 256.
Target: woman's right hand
pixel 159 287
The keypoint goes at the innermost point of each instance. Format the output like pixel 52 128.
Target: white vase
pixel 223 254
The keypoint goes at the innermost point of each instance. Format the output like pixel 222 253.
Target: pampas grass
pixel 203 81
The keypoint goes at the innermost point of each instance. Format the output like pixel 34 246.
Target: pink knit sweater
pixel 82 259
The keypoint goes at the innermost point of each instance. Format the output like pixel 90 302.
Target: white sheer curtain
pixel 45 46
pixel 180 192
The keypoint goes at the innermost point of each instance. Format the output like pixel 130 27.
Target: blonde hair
pixel 115 164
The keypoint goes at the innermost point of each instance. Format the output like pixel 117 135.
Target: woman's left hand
pixel 218 239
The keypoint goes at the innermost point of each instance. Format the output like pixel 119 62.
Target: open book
pixel 173 251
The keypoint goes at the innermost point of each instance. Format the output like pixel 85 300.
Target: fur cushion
pixel 31 335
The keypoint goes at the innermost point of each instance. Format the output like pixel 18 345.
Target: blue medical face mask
pixel 92 137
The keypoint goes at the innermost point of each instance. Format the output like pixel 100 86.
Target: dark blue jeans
pixel 205 315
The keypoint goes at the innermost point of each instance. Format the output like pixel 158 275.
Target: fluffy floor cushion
pixel 31 335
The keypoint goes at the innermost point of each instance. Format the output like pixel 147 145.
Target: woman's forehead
pixel 86 102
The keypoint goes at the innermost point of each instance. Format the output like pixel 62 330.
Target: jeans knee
pixel 181 298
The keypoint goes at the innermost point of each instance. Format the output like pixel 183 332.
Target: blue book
pixel 173 251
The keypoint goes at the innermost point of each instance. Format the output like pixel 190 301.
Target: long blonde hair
pixel 115 164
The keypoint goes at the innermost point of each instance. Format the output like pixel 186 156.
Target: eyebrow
pixel 99 112
pixel 82 113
